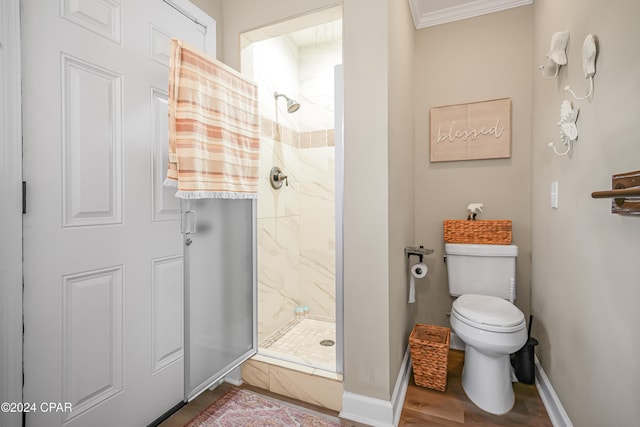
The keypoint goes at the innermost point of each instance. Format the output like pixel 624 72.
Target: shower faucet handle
pixel 283 177
pixel 277 177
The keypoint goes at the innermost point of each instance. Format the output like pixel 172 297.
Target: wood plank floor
pixel 422 407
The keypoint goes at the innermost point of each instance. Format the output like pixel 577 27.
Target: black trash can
pixel 524 364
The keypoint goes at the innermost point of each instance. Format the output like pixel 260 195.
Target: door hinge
pixel 24 197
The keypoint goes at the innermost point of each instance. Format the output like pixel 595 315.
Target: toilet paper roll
pixel 418 271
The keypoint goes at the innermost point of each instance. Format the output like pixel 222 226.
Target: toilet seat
pixel 488 313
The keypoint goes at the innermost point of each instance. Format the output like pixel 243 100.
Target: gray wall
pixel 378 221
pixel 478 59
pixel 584 271
pixel 366 192
pixel 401 180
pixel 366 198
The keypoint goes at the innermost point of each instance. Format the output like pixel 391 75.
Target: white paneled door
pixel 103 264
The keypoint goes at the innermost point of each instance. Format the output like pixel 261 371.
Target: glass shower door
pixel 220 289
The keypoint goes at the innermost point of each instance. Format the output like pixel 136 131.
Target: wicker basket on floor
pixel 429 354
pixel 488 232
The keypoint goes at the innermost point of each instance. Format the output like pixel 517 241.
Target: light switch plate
pixel 554 194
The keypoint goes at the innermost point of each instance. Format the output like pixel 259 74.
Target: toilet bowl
pixel 491 328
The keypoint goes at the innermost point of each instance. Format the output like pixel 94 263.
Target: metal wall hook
pixel 276 177
pixel 568 128
pixel 589 54
pixel 568 146
pixel 578 98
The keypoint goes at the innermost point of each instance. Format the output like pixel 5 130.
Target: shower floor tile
pixel 299 342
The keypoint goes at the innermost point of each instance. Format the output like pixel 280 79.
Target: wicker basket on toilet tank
pixel 429 346
pixel 487 232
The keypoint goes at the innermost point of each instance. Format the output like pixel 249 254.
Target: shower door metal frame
pixel 339 211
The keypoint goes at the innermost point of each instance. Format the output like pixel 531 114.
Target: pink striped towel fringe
pixel 214 128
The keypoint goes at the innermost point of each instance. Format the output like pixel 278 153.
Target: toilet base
pixel 487 381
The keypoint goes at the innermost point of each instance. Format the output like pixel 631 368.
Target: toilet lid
pixel 488 310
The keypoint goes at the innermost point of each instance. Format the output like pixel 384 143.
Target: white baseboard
pixel 552 404
pixel 400 389
pixel 379 412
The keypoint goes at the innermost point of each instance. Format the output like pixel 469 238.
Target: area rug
pixel 244 408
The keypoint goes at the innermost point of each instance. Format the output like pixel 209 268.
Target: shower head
pixel 292 104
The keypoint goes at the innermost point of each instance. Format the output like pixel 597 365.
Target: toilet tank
pixel 481 269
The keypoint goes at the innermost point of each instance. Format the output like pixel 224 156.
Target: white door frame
pixel 11 195
pixel 198 16
pixel 10 211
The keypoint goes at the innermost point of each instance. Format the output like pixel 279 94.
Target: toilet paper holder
pixel 419 252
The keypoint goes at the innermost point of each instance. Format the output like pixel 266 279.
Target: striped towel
pixel 214 128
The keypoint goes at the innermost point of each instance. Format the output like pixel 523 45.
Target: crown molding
pixel 424 17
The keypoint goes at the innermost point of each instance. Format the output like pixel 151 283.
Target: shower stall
pixel 299 250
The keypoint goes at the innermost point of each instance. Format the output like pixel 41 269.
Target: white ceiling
pixel 427 13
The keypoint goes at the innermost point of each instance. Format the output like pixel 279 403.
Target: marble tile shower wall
pixel 296 226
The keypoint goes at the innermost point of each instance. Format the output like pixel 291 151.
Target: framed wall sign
pixel 478 130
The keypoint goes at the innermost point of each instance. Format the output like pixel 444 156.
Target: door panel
pixel 167 325
pixel 166 207
pixel 103 257
pixel 91 144
pixel 92 369
pixel 103 17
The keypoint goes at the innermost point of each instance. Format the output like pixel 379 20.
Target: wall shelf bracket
pixel 419 252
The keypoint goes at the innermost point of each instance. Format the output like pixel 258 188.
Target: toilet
pixel 483 316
